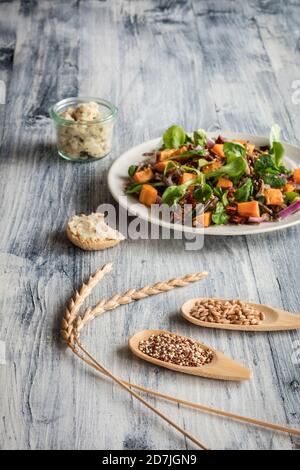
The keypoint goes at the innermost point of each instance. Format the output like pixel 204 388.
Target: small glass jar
pixel 84 128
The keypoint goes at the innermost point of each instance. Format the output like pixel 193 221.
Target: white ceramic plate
pixel 118 178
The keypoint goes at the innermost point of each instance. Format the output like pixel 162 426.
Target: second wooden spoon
pixel 221 367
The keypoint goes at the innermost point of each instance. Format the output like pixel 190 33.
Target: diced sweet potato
pixel 164 155
pixel 296 175
pixel 148 195
pixel 218 150
pixel 161 166
pixel 205 219
pixel 224 183
pixel 273 197
pixel 242 142
pixel 288 188
pixel 143 176
pixel 167 153
pixel 248 209
pixel 212 166
pixel 180 151
pixel 186 177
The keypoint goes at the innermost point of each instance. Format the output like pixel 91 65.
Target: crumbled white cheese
pixel 77 138
pixel 87 112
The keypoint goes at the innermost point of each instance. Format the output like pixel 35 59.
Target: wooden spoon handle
pixel 199 406
pixel 142 400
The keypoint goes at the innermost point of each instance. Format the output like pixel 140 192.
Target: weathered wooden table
pixel 216 65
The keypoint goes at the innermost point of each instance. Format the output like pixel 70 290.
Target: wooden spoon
pixel 275 319
pixel 221 367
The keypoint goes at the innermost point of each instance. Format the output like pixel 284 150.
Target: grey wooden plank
pixel 39 286
pixel 7 48
pixel 260 65
pixel 284 58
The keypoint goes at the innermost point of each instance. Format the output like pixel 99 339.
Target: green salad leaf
pixel 224 198
pixel 235 169
pixel 222 195
pixel 199 137
pixel 134 188
pixel 169 166
pixel 174 137
pixel 276 147
pixel 190 169
pixel 219 216
pixel 132 170
pixel 244 192
pixel 204 193
pixel 291 196
pixel 278 151
pixel 233 150
pixel 202 162
pixel 218 192
pixel 261 199
pixel 189 139
pixel 236 163
pixel 274 134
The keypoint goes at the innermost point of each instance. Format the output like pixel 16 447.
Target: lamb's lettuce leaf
pixel 174 137
pixel 172 195
pixel 199 137
pixel 204 193
pixel 233 150
pixel 235 169
pixel 276 147
pixel 220 217
pixel 244 192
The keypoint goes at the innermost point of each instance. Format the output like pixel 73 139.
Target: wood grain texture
pixel 218 65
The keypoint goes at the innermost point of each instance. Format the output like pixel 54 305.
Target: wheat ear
pixel 71 312
pixel 73 323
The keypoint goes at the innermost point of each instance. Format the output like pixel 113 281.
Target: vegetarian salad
pixel 234 181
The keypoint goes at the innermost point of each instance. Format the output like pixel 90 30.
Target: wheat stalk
pixel 73 323
pixel 133 295
pixel 70 314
